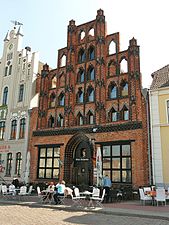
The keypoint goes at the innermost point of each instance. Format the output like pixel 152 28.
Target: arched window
pixel 9 164
pixel 91 54
pixel 91 32
pixel 81 56
pixel 21 92
pixel 80 120
pixel 90 118
pixel 52 100
pixel 80 76
pixel 51 121
pixel 82 35
pixel 63 61
pixel 6 71
pixel 80 96
pixel 54 82
pixel 112 90
pixel 10 69
pixel 112 48
pixel 5 96
pixel 22 128
pixel 90 94
pixel 13 129
pixel 2 130
pixel 113 115
pixel 60 121
pixel 124 88
pixel 61 99
pixel 91 73
pixel 123 66
pixel 18 163
pixel 125 113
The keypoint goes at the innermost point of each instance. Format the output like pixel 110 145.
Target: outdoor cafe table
pixel 87 195
pixel 153 195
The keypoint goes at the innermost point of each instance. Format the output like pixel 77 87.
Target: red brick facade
pixel 90 102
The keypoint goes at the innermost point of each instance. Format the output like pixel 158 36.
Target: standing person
pixel 59 192
pixel 107 185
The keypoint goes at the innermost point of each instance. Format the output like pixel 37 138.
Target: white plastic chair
pixel 167 196
pixel 12 190
pixel 160 196
pixel 77 198
pixel 146 189
pixel 96 192
pixel 144 197
pixel 98 200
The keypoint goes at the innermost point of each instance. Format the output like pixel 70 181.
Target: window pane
pixel 106 151
pixel 48 173
pixel 125 150
pixel 116 150
pixel 41 173
pixel 56 173
pixel 42 152
pixel 49 152
pixel 106 172
pixel 126 163
pixel 56 163
pixel 116 176
pixel 126 176
pixel 116 163
pixel 56 152
pixel 106 163
pixel 49 163
pixel 42 163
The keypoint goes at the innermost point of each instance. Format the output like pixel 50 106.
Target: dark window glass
pixel 9 164
pixel 6 71
pixel 5 96
pixel 18 164
pixel 49 163
pixel 21 91
pixel 10 69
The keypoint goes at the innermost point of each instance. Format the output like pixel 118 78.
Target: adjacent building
pixel 159 114
pixel 91 117
pixel 18 70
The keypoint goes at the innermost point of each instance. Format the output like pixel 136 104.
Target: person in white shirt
pixel 59 192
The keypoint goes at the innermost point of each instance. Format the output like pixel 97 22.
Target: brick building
pixel 91 102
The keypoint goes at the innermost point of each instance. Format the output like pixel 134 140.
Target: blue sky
pixel 45 26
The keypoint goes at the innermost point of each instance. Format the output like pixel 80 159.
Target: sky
pixel 45 26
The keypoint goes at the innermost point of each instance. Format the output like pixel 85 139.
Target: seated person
pixel 50 190
pixel 59 192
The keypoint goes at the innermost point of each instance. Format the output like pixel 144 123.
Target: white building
pixel 18 70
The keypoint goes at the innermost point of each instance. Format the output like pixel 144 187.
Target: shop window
pixel 117 162
pixel 2 130
pixel 49 163
pixel 22 128
pixel 9 164
pixel 18 165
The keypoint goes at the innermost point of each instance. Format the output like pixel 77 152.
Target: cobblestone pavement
pixel 27 215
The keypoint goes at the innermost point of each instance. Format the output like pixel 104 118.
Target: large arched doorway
pixel 78 167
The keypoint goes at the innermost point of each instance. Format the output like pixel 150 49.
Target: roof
pixel 160 78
